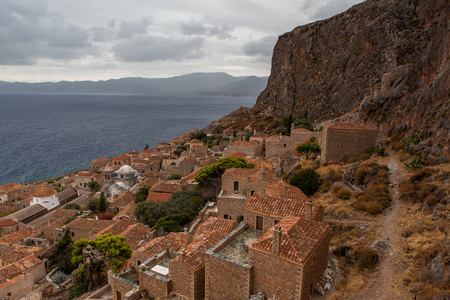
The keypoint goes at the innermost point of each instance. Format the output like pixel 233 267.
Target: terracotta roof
pixel 278 207
pixel 301 130
pixel 18 236
pixel 24 214
pixel 190 177
pixel 115 229
pixel 64 213
pixel 173 241
pixel 195 251
pixel 165 187
pixel 120 157
pixel 285 190
pixel 124 199
pixel 273 138
pixel 11 187
pixel 150 181
pixel 99 160
pixel 195 141
pixel 135 233
pixel 299 239
pixel 13 280
pixel 237 155
pixel 127 211
pixel 43 192
pixel 85 174
pixel 352 126
pixel 7 223
pixel 158 197
pixel 261 173
pixel 12 270
pixel 220 226
pixel 11 254
pixel 88 224
pixel 244 143
pixel 228 129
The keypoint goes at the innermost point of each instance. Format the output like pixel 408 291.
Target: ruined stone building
pixel 340 140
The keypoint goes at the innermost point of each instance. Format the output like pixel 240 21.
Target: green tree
pixel 93 205
pixel 199 136
pixel 73 206
pixel 287 121
pixel 106 250
pixel 307 180
pixel 142 194
pixel 174 177
pixel 62 254
pixel 94 186
pixel 174 222
pixel 150 212
pixel 102 204
pixel 308 148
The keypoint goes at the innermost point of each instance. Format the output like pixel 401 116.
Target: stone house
pixel 198 151
pixel 116 228
pixel 259 137
pixel 263 211
pixel 277 145
pixel 99 163
pixel 82 179
pixel 46 197
pixel 229 133
pixel 17 287
pixel 81 228
pixel 249 148
pixel 167 269
pixel 149 154
pixel 300 135
pixel 121 201
pixel 52 231
pixel 10 192
pixel 175 142
pixel 341 140
pixel 120 160
pixel 7 226
pixel 126 213
pixel 182 166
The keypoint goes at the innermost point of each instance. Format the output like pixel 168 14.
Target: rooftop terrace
pixel 238 248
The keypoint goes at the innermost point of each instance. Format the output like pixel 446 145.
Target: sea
pixel 46 135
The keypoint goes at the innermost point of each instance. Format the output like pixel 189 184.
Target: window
pixel 139 262
pixel 73 234
pixel 236 185
pixel 225 217
pixel 251 193
pixel 81 184
pixel 275 222
pixel 284 145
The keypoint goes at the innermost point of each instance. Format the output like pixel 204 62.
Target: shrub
pixel 419 175
pixel 360 174
pixel 366 258
pixel 73 206
pixel 307 180
pixel 414 163
pixel 363 156
pixel 344 194
pixel 336 189
pixel 380 151
pixel 174 177
pixel 326 185
pixel 78 290
pixel 373 208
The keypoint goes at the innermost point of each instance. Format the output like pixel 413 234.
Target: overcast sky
pixel 53 40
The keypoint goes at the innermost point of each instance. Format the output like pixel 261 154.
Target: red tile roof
pixel 127 211
pixel 273 138
pixel 165 187
pixel 285 190
pixel 237 155
pixel 88 224
pixel 158 197
pixel 18 236
pixel 121 157
pixel 7 223
pixel 220 226
pixel 11 254
pixel 244 143
pixel 21 266
pixel 278 207
pixel 299 239
pixel 135 233
pixel 190 177
pixel 228 129
pixel 43 192
pixel 115 229
pixel 238 172
pixel 64 213
pixel 11 187
pixel 123 199
pixel 351 126
pixel 173 241
pixel 85 174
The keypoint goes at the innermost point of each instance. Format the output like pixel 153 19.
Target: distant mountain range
pixel 208 84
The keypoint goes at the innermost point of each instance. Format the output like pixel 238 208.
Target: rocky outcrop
pixel 381 61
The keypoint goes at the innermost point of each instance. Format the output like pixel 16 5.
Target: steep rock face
pixel 384 61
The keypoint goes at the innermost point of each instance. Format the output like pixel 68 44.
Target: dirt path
pixel 386 282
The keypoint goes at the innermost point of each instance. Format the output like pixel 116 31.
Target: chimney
pixel 276 240
pixel 286 191
pixel 308 210
pixel 263 174
pixel 181 254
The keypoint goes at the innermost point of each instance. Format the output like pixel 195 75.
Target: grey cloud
pixel 198 28
pixel 129 28
pixel 332 8
pixel 263 46
pixel 152 48
pixel 29 32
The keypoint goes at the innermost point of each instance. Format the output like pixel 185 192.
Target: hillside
pixel 380 61
pixel 189 84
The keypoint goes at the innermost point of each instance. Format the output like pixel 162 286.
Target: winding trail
pixel 386 282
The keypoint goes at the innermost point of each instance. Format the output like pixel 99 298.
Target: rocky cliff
pixel 380 61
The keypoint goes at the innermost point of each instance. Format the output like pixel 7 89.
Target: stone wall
pixel 314 268
pixel 17 287
pixel 231 207
pixel 270 274
pixel 247 150
pixel 300 137
pixel 275 148
pixel 155 285
pixel 338 144
pixel 120 286
pixel 181 277
pixel 198 284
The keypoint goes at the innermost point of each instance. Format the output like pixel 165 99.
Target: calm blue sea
pixel 45 135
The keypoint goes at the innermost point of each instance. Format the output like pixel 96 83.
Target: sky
pixel 54 40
